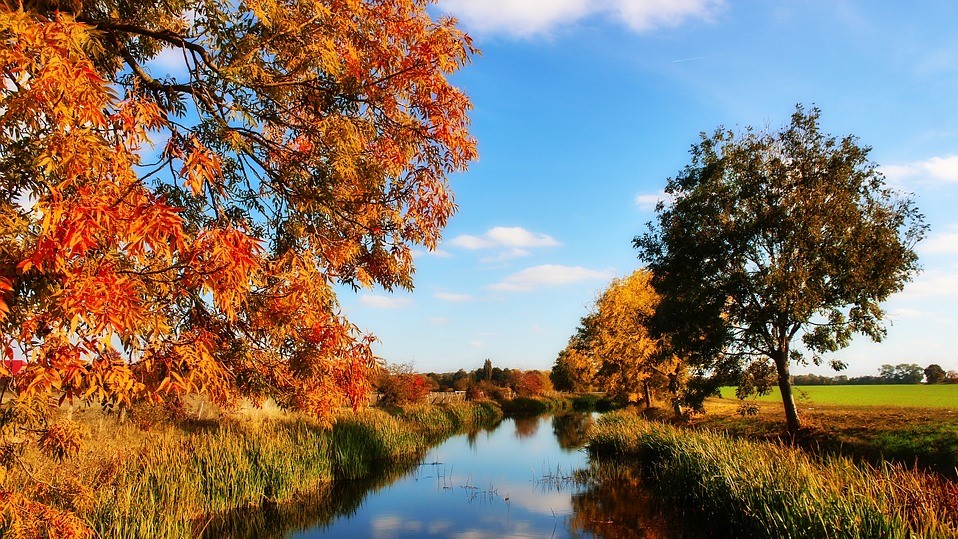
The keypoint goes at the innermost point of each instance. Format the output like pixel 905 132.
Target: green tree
pixel 773 235
pixel 887 373
pixel 934 374
pixel 903 373
pixel 909 373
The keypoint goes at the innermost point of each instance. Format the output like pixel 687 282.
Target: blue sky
pixel 583 108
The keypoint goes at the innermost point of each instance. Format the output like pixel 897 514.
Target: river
pixel 524 478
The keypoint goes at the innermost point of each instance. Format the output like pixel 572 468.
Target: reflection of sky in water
pixel 489 487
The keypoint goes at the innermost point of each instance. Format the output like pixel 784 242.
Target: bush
pixel 398 387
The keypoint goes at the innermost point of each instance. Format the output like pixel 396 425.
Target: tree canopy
pixel 576 367
pixel 934 374
pixel 615 347
pixel 174 230
pixel 630 355
pixel 777 234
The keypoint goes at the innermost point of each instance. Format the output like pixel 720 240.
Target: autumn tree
pixel 173 231
pixel 769 236
pixel 401 385
pixel 632 358
pixel 530 383
pixel 575 368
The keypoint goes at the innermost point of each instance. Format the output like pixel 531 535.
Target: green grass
pixel 759 489
pixel 907 395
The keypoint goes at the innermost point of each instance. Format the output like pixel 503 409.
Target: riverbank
pixel 760 489
pixel 173 479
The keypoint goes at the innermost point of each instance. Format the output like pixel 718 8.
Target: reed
pixel 172 483
pixel 758 489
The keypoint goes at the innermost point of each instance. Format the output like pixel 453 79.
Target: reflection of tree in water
pixel 526 426
pixel 572 430
pixel 617 506
pixel 472 435
pixel 319 508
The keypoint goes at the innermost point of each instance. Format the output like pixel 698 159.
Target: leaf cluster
pixel 184 184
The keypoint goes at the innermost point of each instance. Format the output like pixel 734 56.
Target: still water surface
pixel 513 481
pixel 516 480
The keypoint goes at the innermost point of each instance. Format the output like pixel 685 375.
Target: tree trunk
pixel 647 391
pixel 674 390
pixel 785 385
pixel 677 407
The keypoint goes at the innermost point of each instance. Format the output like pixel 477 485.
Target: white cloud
pixel 526 18
pixel 508 254
pixel 646 15
pixel 476 344
pixel 899 314
pixel 647 201
pixel 510 241
pixel 940 244
pixel 547 275
pixel 384 302
pixel 439 321
pixel 452 297
pixel 512 237
pixel 437 253
pixel 936 169
pixel 386 526
pixel 935 284
pixel 517 17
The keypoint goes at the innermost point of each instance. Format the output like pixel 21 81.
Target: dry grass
pixel 927 437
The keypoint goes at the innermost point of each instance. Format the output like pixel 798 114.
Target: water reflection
pixel 518 480
pixel 616 506
pixel 316 510
pixel 572 430
pixel 526 427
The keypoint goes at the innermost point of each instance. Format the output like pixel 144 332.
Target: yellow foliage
pixel 629 354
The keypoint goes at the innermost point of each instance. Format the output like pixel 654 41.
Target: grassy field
pixel 911 395
pixel 910 434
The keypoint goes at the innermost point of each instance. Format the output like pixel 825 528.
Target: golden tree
pixel 163 234
pixel 575 368
pixel 631 356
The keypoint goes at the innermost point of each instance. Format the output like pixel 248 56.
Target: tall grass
pixel 756 489
pixel 172 484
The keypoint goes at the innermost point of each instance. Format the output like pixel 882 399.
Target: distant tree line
pixel 492 382
pixel 903 373
pixel 399 384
